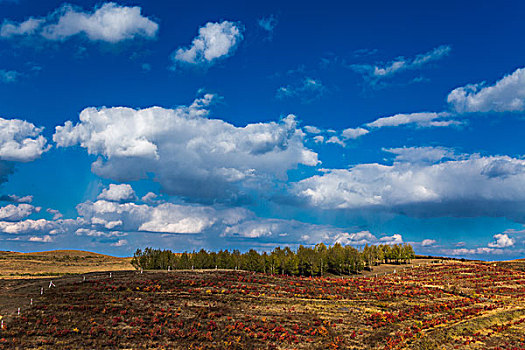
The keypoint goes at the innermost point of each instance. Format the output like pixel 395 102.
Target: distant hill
pixel 58 262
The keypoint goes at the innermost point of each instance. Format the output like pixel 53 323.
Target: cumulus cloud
pixel 318 139
pixel 119 243
pixel 336 140
pixel 165 217
pixel 27 27
pixel 354 133
pixel 473 251
pixel 423 188
pixel 56 214
pixel 394 239
pixel 506 95
pixel 215 41
pixel 118 193
pixel 20 141
pixel 149 197
pixel 37 226
pixel 281 231
pixel 428 242
pixel 17 212
pixel 41 239
pixel 365 237
pixel 307 90
pixel 422 120
pixel 96 233
pixel 374 72
pixel 502 241
pixel 16 199
pixel 261 228
pixel 110 23
pixel 312 129
pixel 191 155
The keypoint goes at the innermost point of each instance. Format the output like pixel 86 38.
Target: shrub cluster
pixel 305 261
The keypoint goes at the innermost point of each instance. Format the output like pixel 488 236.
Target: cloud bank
pixel 189 154
pixel 506 95
pixel 422 181
pixel 109 23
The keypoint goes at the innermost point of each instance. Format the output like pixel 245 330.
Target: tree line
pixel 305 261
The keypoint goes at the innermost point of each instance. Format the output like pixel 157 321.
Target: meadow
pixel 442 305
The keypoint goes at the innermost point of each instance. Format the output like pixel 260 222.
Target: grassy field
pixel 445 305
pixel 58 262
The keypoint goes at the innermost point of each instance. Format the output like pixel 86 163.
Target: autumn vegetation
pixel 424 304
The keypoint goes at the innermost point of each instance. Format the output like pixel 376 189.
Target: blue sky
pixel 241 125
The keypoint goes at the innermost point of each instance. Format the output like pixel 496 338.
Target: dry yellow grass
pixel 58 262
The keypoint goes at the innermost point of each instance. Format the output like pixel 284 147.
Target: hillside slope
pixel 58 262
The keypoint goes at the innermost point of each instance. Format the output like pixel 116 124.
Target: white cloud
pixel 13 198
pixel 32 226
pixel 365 237
pixel 215 40
pixel 319 139
pixel 165 217
pixel 56 214
pixel 506 95
pixel 357 238
pixel 428 242
pixel 118 193
pixel 149 197
pixel 119 243
pixel 354 133
pixel 490 185
pixel 28 27
pixel 17 212
pixel 502 241
pixel 281 230
pixel 97 233
pixel 373 73
pixel 474 251
pixel 43 239
pixel 394 239
pixel 110 23
pixel 20 141
pixel 312 129
pixel 190 155
pixel 422 119
pixel 336 140
pixel 258 228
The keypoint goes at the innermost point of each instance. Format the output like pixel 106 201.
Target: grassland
pixel 58 262
pixel 444 305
